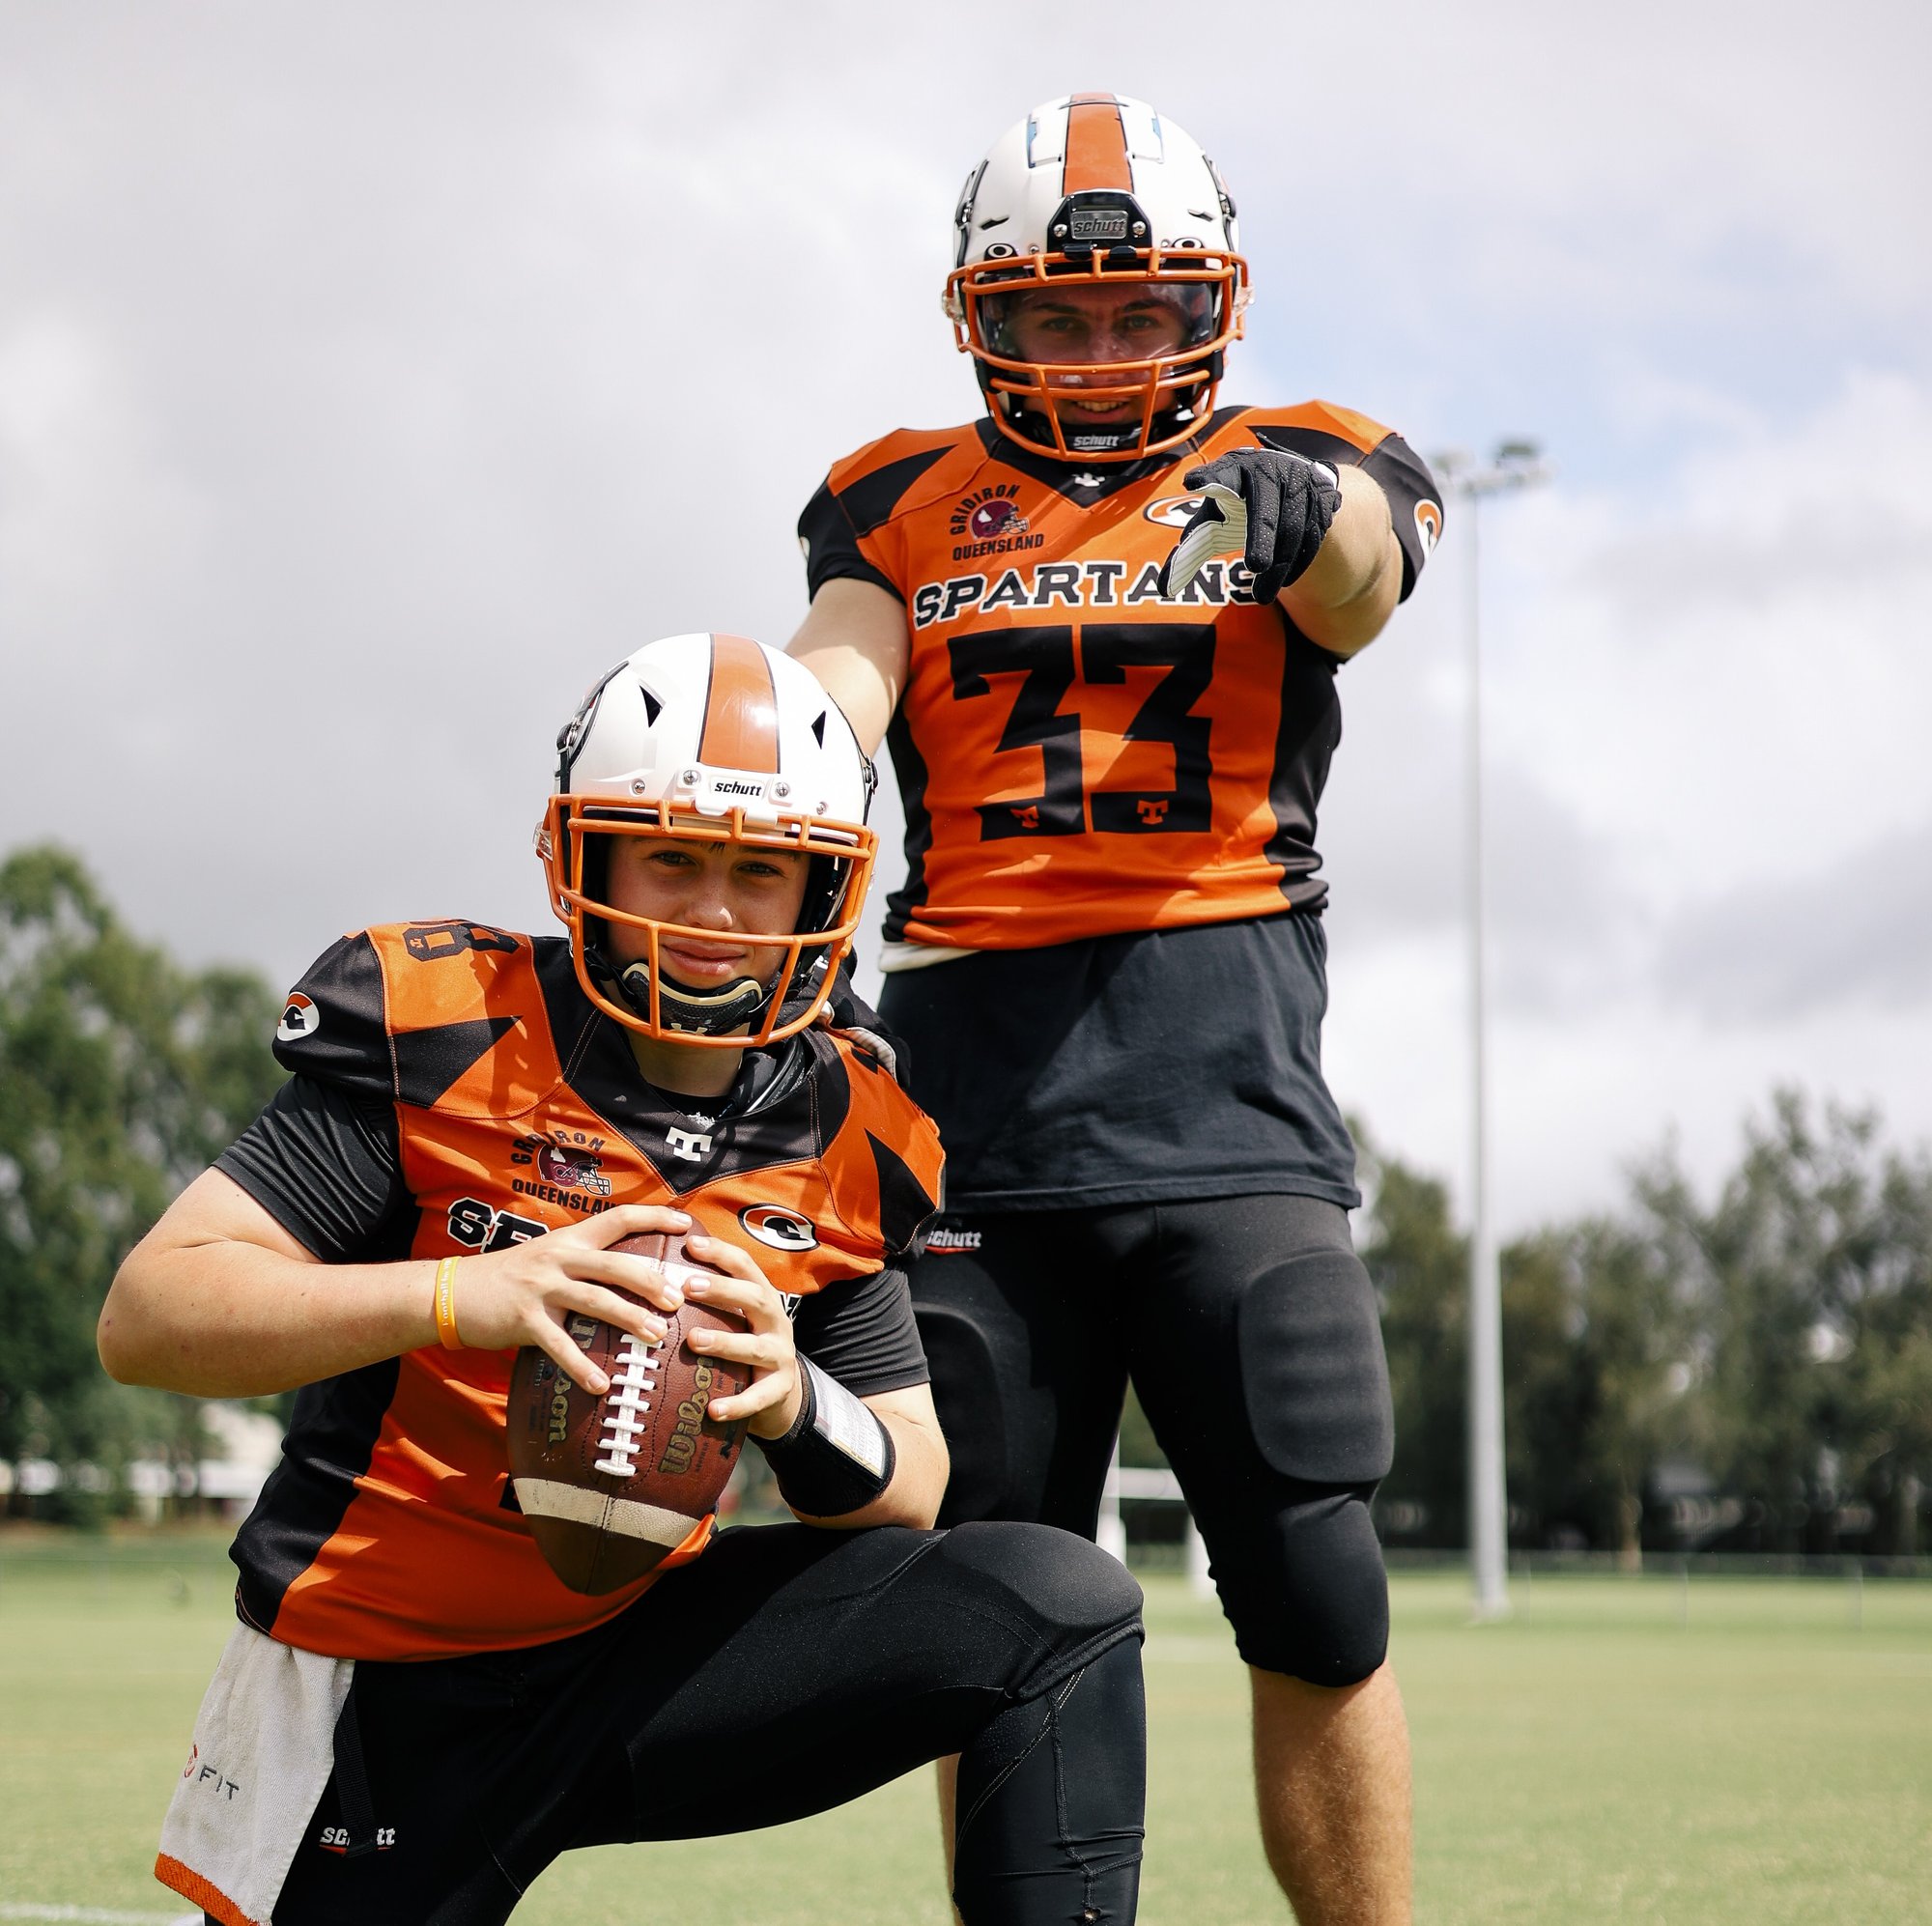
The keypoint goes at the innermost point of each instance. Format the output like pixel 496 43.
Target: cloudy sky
pixel 372 375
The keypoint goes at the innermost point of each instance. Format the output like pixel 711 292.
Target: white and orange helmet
pixel 716 738
pixel 1094 186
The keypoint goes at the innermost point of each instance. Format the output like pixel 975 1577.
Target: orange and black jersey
pixel 1078 754
pixel 456 1092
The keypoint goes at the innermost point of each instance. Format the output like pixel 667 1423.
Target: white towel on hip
pixel 263 1746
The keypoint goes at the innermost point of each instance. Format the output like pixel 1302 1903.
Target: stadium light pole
pixel 1514 465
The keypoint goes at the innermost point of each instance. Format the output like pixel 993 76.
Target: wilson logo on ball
pixel 781 1229
pixel 682 1445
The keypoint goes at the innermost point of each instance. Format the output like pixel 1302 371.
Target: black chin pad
pixel 703 1012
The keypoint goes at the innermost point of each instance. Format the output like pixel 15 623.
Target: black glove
pixel 1290 503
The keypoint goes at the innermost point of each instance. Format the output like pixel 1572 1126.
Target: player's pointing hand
pixel 1271 507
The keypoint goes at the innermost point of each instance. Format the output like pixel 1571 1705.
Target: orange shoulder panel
pixel 1358 430
pixel 467 997
pixel 887 1156
pixel 959 453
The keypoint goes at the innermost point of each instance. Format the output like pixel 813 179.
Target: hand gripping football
pixel 611 1484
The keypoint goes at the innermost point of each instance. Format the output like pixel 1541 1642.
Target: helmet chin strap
pixel 700 1012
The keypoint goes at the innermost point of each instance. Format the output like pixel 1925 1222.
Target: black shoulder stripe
pixel 872 497
pixel 832 546
pixel 904 1205
pixel 1316 444
pixel 334 1026
pixel 429 1060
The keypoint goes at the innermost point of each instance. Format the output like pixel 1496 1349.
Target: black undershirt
pixel 1133 1068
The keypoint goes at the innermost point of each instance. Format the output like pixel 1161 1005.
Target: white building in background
pixel 249 1444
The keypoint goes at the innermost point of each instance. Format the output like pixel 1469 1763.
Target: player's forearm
pixel 829 1472
pixel 852 639
pixel 919 1479
pixel 1349 591
pixel 234 1321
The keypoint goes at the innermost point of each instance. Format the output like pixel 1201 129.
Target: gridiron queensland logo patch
pixel 988 513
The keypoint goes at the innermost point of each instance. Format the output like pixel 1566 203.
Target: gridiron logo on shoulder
pixel 781 1229
pixel 300 1019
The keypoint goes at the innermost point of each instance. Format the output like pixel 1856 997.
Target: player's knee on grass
pixel 1308 1595
pixel 1052 1798
pixel 1314 1374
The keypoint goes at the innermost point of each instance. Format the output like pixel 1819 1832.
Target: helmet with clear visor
pixel 1097 280
pixel 709 739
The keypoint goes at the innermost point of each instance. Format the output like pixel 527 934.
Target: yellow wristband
pixel 446 1304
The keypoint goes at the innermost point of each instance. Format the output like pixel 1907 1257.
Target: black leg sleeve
pixel 1052 1803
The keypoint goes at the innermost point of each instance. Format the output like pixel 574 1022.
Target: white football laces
pixel 626 1406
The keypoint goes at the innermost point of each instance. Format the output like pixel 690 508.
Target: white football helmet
pixel 715 738
pixel 1089 187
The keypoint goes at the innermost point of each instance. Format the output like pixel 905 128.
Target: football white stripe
pixel 546 1498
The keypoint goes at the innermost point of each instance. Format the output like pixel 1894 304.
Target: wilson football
pixel 611 1484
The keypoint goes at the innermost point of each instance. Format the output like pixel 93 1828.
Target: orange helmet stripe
pixel 741 708
pixel 1096 145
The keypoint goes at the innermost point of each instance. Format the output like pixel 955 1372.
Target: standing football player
pixel 416 1715
pixel 1100 628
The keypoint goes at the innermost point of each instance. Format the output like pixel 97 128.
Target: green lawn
pixel 1740 1751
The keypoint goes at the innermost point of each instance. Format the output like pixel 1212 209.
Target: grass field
pixel 1756 1751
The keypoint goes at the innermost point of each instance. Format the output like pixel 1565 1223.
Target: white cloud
pixel 368 385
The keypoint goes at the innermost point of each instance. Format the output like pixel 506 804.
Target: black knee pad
pixel 1309 1596
pixel 972 1413
pixel 1075 1600
pixel 1314 1374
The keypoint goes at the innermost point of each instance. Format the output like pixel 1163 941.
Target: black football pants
pixel 1248 1326
pixel 786 1671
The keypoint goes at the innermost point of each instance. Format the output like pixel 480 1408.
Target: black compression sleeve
pixel 326 1167
pixel 863 1334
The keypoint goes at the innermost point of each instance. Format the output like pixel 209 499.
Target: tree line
pixel 121 1075
pixel 1749 1373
